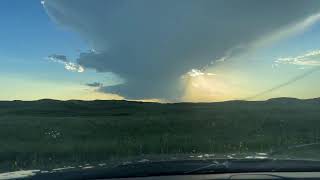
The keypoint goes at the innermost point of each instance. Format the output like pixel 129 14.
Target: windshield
pixel 94 83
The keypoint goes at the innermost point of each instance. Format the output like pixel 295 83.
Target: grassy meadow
pixel 49 133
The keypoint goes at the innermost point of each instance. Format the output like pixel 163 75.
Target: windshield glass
pixel 90 83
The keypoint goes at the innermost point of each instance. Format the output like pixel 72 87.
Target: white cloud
pixel 73 67
pixel 68 65
pixel 311 58
pixel 197 72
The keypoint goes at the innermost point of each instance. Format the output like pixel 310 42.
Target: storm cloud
pixel 152 43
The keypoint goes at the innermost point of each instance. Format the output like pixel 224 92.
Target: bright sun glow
pixel 206 87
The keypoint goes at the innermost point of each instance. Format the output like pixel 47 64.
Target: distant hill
pixel 50 107
pixel 54 101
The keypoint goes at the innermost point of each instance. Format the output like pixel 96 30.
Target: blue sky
pixel 28 36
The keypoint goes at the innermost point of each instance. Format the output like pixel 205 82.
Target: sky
pixel 168 51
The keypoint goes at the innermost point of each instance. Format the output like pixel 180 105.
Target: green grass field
pixel 49 133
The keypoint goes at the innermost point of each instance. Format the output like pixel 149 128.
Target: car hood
pixel 169 167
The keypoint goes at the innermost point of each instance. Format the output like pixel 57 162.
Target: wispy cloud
pixel 287 31
pixel 68 65
pixel 311 58
pixel 284 84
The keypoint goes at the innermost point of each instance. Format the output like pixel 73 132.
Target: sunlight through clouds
pixel 207 86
